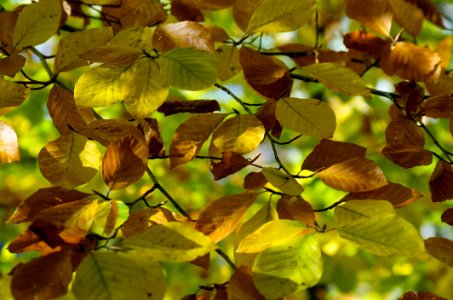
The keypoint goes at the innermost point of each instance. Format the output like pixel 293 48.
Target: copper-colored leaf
pixel 439 107
pixel 305 55
pixel 150 130
pixel 395 193
pixel 124 162
pixel 441 249
pixel 182 34
pixel 412 97
pixel 366 42
pixel 254 181
pixel 27 241
pixel 429 10
pixel 12 95
pixel 241 286
pixel 328 153
pixel 231 163
pixel 243 11
pixel 108 131
pixel 140 220
pixel 46 277
pixel 192 106
pixel 447 216
pixel 411 62
pixel 296 208
pixel 442 86
pixel 407 15
pixel 420 296
pixel 376 14
pixel 267 75
pixel 441 182
pixel 221 217
pixel 190 136
pixel 12 64
pixel 266 114
pixel 42 199
pixel 354 175
pixel 8 21
pixel 185 10
pixel 444 48
pixel 9 146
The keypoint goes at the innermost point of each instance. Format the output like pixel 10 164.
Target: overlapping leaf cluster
pixel 143 50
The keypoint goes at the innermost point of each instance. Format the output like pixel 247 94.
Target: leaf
pixel 420 296
pixel 254 181
pixel 12 95
pixel 170 107
pixel 296 208
pixel 231 163
pixel 111 55
pixel 354 175
pixel 373 225
pixel 190 136
pixel 376 15
pixel 9 146
pixel 221 217
pixel 110 131
pixel 444 49
pixel 241 286
pixel 442 85
pixel 134 13
pixel 407 15
pixel 241 134
pixel 107 217
pixel 243 11
pixel 447 216
pixel 124 162
pixel 76 43
pixel 228 61
pixel 366 42
pixel 46 277
pixel 279 271
pixel 182 34
pixel 69 161
pixel 282 181
pixel 395 193
pixel 441 182
pixel 172 241
pixel 329 152
pixel 102 2
pixel 290 15
pixel 142 219
pixel 337 78
pixel 306 116
pixel 36 23
pixel 150 129
pixel 188 68
pixel 28 241
pixel 273 234
pixel 114 276
pixel 441 249
pixel 146 90
pixel 11 65
pixel 439 107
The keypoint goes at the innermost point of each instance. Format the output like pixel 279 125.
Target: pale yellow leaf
pixel 228 61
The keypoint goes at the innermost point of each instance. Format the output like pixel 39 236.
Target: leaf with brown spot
pixel 221 217
pixel 182 34
pixel 150 129
pixel 395 193
pixel 171 107
pixel 329 152
pixel 439 107
pixel 254 181
pixel 231 163
pixel 441 182
pixel 12 64
pixel 142 219
pixel 447 216
pixel 376 14
pixel 124 162
pixel 267 75
pixel 296 208
pixel 354 175
pixel 228 61
pixel 241 286
pixel 9 146
pixel 441 249
pixel 190 136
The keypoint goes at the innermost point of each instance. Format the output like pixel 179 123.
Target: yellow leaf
pixel 283 181
pixel 306 116
pixel 376 14
pixel 444 49
pixel 243 11
pixel 12 95
pixel 36 23
pixel 9 146
pixel 241 134
pixel 407 15
pixel 228 60
pixel 12 64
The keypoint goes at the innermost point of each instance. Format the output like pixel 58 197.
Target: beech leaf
pixel 12 64
pixel 447 216
pixel 296 208
pixel 12 95
pixel 282 181
pixel 241 286
pixel 441 249
pixel 441 182
pixel 9 146
pixel 228 61
pixel 439 107
pixel 377 14
pixel 407 15
pixel 112 130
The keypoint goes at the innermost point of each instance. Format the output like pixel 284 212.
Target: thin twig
pixel 226 90
pixel 329 207
pixel 226 258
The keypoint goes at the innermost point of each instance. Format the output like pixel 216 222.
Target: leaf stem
pixel 226 258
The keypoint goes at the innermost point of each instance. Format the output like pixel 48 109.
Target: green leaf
pixel 189 68
pixel 374 226
pixel 282 270
pixel 281 15
pixel 337 78
pixel 172 241
pixel 306 116
pixel 115 276
pixel 36 23
pixel 283 181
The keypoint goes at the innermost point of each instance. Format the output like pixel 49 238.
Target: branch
pixel 226 90
pixel 226 258
pixel 329 207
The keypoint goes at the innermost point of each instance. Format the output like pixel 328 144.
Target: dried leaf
pixel 296 208
pixel 441 249
pixel 12 64
pixel 366 42
pixel 407 15
pixel 439 107
pixel 231 163
pixel 192 106
pixel 447 216
pixel 241 286
pixel 9 146
pixel 254 181
pixel 12 95
pixel 377 14
pixel 150 130
pixel 441 182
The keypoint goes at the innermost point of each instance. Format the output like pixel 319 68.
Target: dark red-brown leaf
pixel 192 106
pixel 441 182
pixel 447 216
pixel 231 163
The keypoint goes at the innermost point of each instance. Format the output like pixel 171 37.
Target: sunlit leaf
pixel 374 226
pixel 243 11
pixel 190 136
pixel 366 42
pixel 442 86
pixel 407 15
pixel 441 182
pixel 12 95
pixel 290 15
pixel 296 208
pixel 109 215
pixel 444 49
pixel 282 181
pixel 69 161
pixel 142 219
pixel 441 249
pixel 9 146
pixel 115 276
pixel 188 68
pixel 134 13
pixel 377 14
pixel 12 64
pixel 36 23
pixel 228 61
pixel 254 181
pixel 150 129
pixel 241 134
pixel 28 241
pixel 231 163
pixel 112 130
pixel 172 241
pixel 221 217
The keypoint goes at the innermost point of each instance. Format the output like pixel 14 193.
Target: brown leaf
pixel 182 34
pixel 241 286
pixel 112 130
pixel 46 277
pixel 439 107
pixel 366 42
pixel 9 146
pixel 429 10
pixel 42 199
pixel 142 219
pixel 420 296
pixel 328 153
pixel 407 15
pixel 357 174
pixel 190 136
pixel 218 34
pixel 444 48
pixel 124 162
pixel 447 216
pixel 243 11
pixel 395 193
pixel 254 181
pixel 184 10
pixel 231 163
pixel 376 14
pixel 412 97
pixel 192 106
pixel 441 249
pixel 7 23
pixel 267 75
pixel 411 62
pixel 296 208
pixel 27 241
pixel 221 217
pixel 442 86
pixel 202 262
pixel 266 114
pixel 305 55
pixel 12 64
pixel 441 182
pixel 150 130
